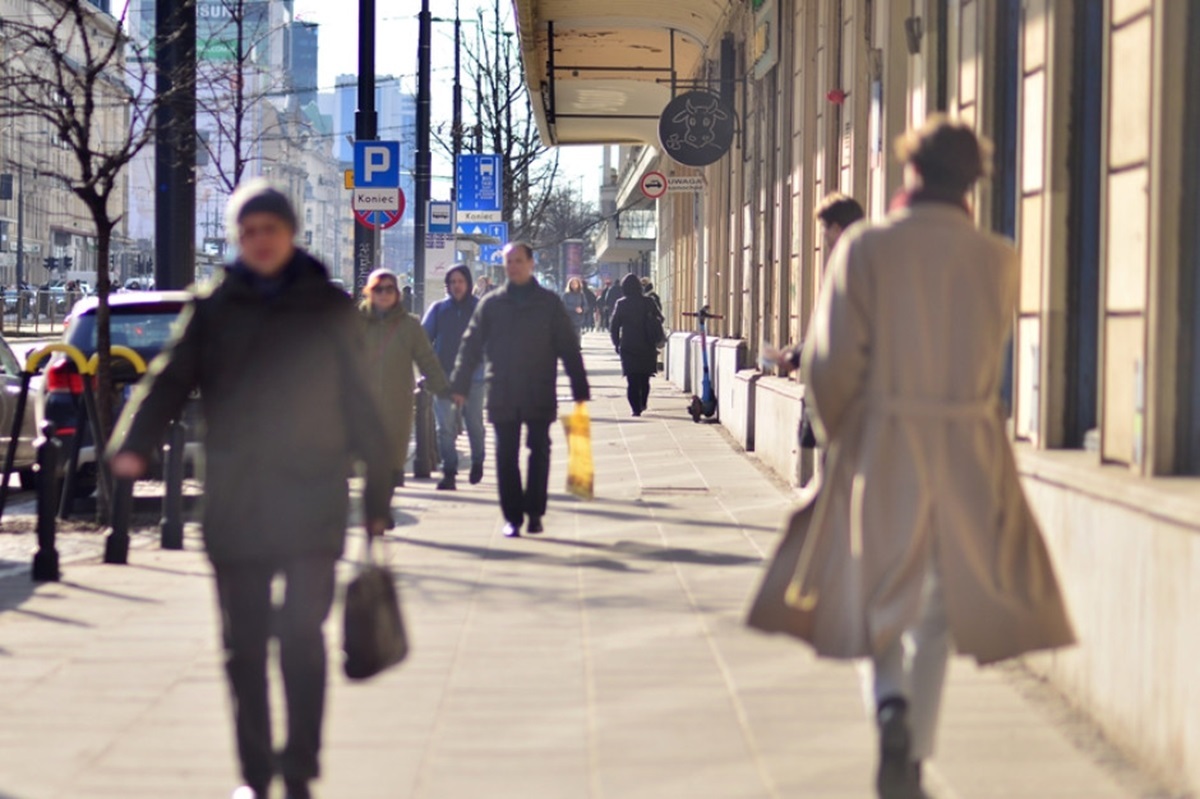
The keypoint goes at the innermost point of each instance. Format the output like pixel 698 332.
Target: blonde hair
pixel 947 153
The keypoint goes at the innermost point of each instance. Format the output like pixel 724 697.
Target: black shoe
pixel 476 473
pixel 298 790
pixel 898 777
pixel 512 530
pixel 449 482
pixel 637 414
pixel 535 525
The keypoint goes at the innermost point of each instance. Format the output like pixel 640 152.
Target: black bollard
pixel 425 457
pixel 45 560
pixel 71 472
pixel 116 546
pixel 173 468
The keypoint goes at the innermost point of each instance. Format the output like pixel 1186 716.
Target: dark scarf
pixel 523 294
pixel 270 288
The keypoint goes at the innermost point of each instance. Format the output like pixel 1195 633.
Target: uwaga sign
pixel 696 128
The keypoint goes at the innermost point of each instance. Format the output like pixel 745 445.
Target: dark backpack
pixel 655 333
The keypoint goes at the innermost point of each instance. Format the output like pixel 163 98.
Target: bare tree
pixel 69 70
pixel 506 124
pixel 232 86
pixel 565 215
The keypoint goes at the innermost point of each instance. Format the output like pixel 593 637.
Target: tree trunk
pixel 104 381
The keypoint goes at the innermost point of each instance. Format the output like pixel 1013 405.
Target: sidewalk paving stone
pixel 604 660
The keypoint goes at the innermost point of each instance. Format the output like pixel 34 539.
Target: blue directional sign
pixel 488 253
pixel 376 164
pixel 480 183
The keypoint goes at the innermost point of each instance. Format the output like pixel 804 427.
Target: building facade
pixel 1097 182
pixel 41 215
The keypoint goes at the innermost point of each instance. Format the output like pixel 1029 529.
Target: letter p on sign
pixel 377 164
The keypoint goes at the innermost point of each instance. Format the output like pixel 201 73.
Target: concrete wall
pixel 777 405
pixel 1132 583
pixel 739 411
pixel 678 360
pixel 729 358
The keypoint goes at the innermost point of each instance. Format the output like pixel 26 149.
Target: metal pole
pixel 20 234
pixel 173 469
pixel 175 146
pixel 366 128
pixel 45 560
pixel 424 157
pixel 457 137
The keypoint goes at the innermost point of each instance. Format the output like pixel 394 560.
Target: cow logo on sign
pixel 696 128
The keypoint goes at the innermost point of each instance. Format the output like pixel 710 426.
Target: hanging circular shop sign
pixel 696 128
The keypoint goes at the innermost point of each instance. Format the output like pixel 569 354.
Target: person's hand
pixel 377 527
pixel 781 359
pixel 128 466
pixel 459 399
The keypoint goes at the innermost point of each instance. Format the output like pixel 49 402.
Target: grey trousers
pixel 914 668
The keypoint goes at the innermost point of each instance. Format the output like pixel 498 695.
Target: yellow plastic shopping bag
pixel 580 473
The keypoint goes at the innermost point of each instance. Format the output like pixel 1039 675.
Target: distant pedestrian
pixel 609 295
pixel 445 323
pixel 524 331
pixel 396 343
pixel 922 538
pixel 406 298
pixel 575 298
pixel 634 324
pixel 837 213
pixel 276 352
pixel 483 287
pixel 651 294
pixel 590 314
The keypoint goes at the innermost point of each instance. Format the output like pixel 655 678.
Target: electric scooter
pixel 704 405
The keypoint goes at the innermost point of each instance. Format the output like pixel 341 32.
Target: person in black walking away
pixel 636 330
pixel 524 330
pixel 278 446
pixel 608 300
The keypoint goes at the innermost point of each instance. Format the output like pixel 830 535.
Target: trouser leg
pixel 244 597
pixel 445 413
pixel 633 393
pixel 508 471
pixel 473 418
pixel 402 431
pixel 914 668
pixel 643 392
pixel 538 471
pixel 306 603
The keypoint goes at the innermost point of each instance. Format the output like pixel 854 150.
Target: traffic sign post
pixel 654 185
pixel 377 165
pixel 480 189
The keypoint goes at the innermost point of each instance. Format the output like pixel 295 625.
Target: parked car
pixel 142 321
pixel 23 465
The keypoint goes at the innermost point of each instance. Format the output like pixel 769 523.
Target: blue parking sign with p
pixel 377 165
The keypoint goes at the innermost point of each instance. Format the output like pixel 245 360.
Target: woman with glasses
pixel 395 343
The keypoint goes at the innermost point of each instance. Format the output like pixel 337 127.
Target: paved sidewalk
pixel 606 659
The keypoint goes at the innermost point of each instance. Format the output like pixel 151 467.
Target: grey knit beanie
pixel 259 197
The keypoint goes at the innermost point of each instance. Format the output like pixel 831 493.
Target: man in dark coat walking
pixel 524 331
pixel 445 323
pixel 636 321
pixel 278 447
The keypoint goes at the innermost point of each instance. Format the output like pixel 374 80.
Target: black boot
pixel 898 777
pixel 449 482
pixel 476 472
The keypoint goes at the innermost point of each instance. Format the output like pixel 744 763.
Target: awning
pixel 600 71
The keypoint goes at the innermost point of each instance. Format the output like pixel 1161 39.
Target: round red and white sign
pixel 654 185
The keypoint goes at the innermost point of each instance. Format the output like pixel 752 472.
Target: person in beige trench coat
pixel 921 535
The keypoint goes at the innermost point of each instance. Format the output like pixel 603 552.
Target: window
pixel 1188 457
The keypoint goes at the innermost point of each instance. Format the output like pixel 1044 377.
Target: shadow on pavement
pixel 487 553
pixel 640 551
pixel 15 588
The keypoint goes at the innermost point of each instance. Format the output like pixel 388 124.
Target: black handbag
pixel 808 439
pixel 373 634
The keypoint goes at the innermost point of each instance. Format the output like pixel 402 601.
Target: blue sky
pixel 396 54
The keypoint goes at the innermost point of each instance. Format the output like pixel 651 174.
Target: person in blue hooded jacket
pixel 445 323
